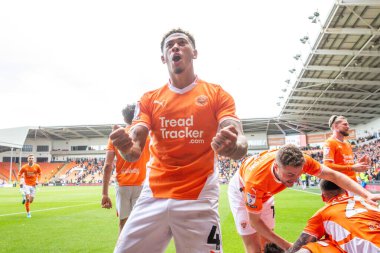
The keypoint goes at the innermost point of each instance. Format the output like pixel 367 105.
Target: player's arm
pixel 348 184
pixel 130 144
pixel 20 176
pixel 357 167
pixel 107 171
pixel 301 241
pixel 38 175
pixel 230 140
pixel 261 228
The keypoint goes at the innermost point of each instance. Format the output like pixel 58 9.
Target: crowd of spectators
pixel 228 167
pixel 87 170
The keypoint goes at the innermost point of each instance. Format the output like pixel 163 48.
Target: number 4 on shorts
pixel 213 237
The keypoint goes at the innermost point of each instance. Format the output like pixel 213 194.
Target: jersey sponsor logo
pixel 130 171
pixel 201 100
pixel 30 173
pixel 374 225
pixel 348 159
pixel 186 129
pixel 251 198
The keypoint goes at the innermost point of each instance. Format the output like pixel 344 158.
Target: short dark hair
pixel 290 155
pixel 128 113
pixel 273 248
pixel 328 185
pixel 330 189
pixel 177 30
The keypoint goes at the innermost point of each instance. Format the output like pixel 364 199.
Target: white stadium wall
pixel 256 142
pixel 61 150
pixel 372 127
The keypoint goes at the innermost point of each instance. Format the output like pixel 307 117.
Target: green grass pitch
pixel 70 219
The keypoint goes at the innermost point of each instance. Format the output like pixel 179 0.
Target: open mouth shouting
pixel 176 58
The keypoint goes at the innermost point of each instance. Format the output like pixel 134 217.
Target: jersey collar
pixel 184 90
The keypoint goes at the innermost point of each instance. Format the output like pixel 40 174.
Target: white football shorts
pixel 29 190
pixel 126 197
pixel 194 225
pixel 239 211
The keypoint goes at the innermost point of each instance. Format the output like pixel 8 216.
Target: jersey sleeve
pixel 253 199
pixel 22 171
pixel 328 151
pixel 38 172
pixel 315 226
pixel 225 106
pixel 110 146
pixel 142 112
pixel 311 166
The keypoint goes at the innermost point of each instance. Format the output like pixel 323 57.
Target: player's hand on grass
pixel 224 143
pixel 121 139
pixel 106 202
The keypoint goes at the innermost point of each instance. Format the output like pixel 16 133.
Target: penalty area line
pixel 48 209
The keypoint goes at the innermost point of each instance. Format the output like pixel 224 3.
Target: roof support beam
pixel 375 109
pixel 337 92
pixel 96 131
pixel 53 134
pixel 352 31
pixel 332 112
pixel 338 81
pixel 345 69
pixel 337 100
pixel 359 2
pixel 375 53
pixel 313 118
pixel 279 127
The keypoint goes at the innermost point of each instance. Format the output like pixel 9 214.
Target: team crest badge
pixel 243 224
pixel 326 151
pixel 201 100
pixel 251 198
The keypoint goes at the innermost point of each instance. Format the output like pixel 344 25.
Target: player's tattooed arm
pixel 230 140
pixel 302 240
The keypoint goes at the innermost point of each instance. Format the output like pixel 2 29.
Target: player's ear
pixel 163 59
pixel 195 54
pixel 323 197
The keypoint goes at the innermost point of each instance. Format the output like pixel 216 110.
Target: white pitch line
pixel 48 209
pixel 304 191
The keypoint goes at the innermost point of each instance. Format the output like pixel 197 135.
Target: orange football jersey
pixel 182 124
pixel 30 173
pixel 130 173
pixel 338 156
pixel 259 181
pixel 349 222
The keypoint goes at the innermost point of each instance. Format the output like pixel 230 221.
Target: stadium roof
pixel 341 75
pixel 71 132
